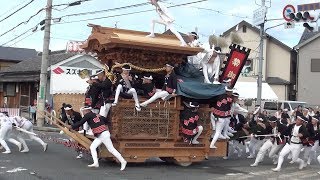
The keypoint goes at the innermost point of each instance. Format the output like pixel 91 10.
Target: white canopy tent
pixel 248 90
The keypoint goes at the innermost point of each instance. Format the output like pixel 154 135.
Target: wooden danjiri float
pixel 154 131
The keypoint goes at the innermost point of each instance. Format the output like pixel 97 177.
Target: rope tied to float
pixel 113 78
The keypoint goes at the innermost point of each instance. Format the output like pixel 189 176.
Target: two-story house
pixel 10 56
pixel 308 68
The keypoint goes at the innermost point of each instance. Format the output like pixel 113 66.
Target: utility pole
pixel 259 94
pixel 44 66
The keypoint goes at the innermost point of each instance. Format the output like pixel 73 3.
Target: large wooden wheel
pixel 183 164
pixel 174 161
pixel 167 159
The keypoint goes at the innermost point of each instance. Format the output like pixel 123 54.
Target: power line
pixel 71 4
pixel 106 10
pixel 18 36
pixel 75 3
pixel 24 22
pixel 17 10
pixel 22 38
pixel 125 14
pixel 221 12
pixel 12 8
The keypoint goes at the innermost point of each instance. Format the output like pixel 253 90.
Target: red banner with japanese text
pixel 236 60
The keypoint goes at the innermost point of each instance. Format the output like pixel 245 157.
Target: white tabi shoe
pixel 250 157
pixel 25 151
pixel 227 137
pixel 79 156
pixel 151 35
pixel 232 130
pixel 114 104
pixel 225 157
pixel 138 108
pixel 6 152
pixel 240 153
pixel 45 147
pixel 93 165
pixel 276 169
pixel 229 134
pixel 195 142
pixel 123 165
pixel 213 147
pixel 275 161
pixel 19 146
pixel 301 165
pixel 309 161
pixel 254 165
pixel 291 162
pixel 221 137
pixel 216 82
pixel 143 105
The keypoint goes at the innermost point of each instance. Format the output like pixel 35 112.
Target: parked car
pixel 272 106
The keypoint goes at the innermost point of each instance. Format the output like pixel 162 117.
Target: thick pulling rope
pixel 265 135
pixel 85 142
pixel 69 143
pixel 113 78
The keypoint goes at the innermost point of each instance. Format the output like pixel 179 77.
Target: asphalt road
pixel 59 163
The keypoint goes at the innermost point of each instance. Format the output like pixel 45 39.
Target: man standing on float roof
pixel 165 19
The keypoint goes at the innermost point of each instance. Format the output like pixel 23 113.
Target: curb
pixel 47 129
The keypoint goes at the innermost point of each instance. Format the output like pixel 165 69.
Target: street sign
pixel 259 16
pixel 287 10
pixel 289 25
pixel 308 7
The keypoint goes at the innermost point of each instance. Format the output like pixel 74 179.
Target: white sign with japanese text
pixel 65 80
pixel 259 16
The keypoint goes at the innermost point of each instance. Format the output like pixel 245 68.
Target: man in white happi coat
pixel 5 132
pixel 297 133
pixel 25 124
pixel 166 19
pixel 273 144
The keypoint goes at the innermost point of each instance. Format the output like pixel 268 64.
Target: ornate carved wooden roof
pixel 104 38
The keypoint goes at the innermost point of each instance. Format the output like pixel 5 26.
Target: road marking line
pixel 16 170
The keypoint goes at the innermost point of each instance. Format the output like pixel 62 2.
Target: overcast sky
pixel 187 18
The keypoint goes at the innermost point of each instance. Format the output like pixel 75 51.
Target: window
pixel 9 89
pixel 244 28
pixel 271 105
pixel 295 105
pixel 247 68
pixel 315 65
pixel 286 106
